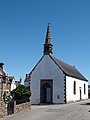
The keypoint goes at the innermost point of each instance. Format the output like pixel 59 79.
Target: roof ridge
pixel 64 62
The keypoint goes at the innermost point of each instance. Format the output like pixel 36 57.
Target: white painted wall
pixel 26 84
pixel 13 85
pixel 47 69
pixel 69 89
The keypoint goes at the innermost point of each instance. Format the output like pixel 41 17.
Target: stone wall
pixel 21 107
pixel 17 108
pixel 2 109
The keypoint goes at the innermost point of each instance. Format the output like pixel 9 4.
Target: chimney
pixel 26 75
pixel 20 79
pixel 1 65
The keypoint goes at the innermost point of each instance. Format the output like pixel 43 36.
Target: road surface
pixel 71 111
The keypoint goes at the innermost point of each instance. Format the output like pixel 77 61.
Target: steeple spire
pixel 48 45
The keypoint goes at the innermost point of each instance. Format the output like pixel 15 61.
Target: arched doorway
pixel 46 91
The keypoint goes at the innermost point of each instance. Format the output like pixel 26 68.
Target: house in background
pixel 6 82
pixel 54 81
pixel 18 82
pixel 13 84
pixel 27 81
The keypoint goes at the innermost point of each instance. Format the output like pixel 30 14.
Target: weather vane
pixel 49 24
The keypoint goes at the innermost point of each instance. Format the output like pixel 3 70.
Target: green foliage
pixel 21 92
pixel 7 98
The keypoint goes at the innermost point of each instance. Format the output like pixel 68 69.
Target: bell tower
pixel 48 45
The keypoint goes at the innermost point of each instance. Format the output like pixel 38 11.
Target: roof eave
pixel 65 72
pixel 76 77
pixel 36 65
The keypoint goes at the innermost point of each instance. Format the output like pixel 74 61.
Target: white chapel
pixel 53 81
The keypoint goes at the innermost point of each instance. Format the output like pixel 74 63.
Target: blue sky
pixel 23 25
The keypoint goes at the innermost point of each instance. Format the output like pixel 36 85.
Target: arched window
pixel 84 88
pixel 74 88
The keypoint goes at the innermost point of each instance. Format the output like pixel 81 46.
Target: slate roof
pixel 68 69
pixel 2 72
pixel 48 39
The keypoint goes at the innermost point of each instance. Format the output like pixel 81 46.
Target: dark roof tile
pixel 68 69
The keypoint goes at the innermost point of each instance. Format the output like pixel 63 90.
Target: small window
pixel 74 88
pixel 84 88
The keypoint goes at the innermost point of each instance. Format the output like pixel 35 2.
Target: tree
pixel 21 92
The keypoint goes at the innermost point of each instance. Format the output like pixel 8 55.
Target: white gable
pixel 47 69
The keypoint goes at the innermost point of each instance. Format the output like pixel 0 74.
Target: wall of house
pixel 13 85
pixel 47 69
pixel 26 84
pixel 70 96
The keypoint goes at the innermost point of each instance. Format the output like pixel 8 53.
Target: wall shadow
pixel 85 103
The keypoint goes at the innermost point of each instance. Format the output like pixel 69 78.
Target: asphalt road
pixel 71 111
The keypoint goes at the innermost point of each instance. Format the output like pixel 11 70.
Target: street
pixel 71 111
